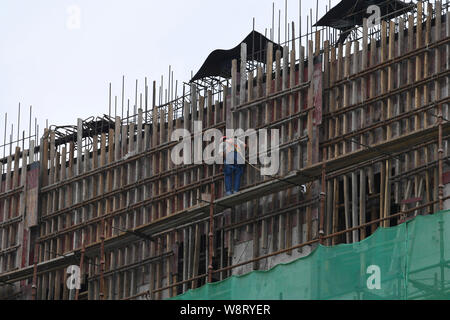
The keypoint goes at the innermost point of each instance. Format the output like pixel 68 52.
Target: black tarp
pixel 350 13
pixel 218 63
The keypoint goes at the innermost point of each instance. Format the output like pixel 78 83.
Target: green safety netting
pixel 407 261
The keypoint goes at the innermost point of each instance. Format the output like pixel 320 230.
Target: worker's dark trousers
pixel 233 171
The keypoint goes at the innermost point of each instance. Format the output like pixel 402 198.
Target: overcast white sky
pixel 64 72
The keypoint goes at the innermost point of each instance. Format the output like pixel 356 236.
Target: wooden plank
pixel 418 63
pixel 243 73
pixel 85 195
pixel 426 62
pixel 390 105
pixel 70 201
pixel 300 106
pixel 437 96
pixel 51 194
pixel 116 178
pixel 310 138
pixel 427 179
pixel 400 101
pixel 387 194
pixel 329 211
pixel 266 119
pixel 340 73
pixel 383 80
pixel 409 72
pixel 233 87
pixel 109 181
pixel 130 165
pixel 417 93
pixel 19 236
pixel 437 58
pixel 332 198
pixel 190 262
pixel 335 209
pixel 330 57
pixel 175 263
pixel 345 126
pixel 348 218
pixel 13 209
pixel 209 110
pixel 447 64
pixel 186 175
pixel 185 257
pixel 169 164
pixel 355 211
pixel 269 71
pixel 196 255
pixel 154 185
pixel 168 270
pixel 101 181
pixel 277 87
pixel 370 138
pixel 79 184
pixel 62 198
pixel 58 200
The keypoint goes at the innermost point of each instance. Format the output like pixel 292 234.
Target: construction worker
pixel 234 164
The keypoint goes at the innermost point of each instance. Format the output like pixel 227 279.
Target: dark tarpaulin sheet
pixel 218 63
pixel 349 13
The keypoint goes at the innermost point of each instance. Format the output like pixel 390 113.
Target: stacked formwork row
pixel 392 93
pixel 18 213
pixel 364 130
pixel 126 183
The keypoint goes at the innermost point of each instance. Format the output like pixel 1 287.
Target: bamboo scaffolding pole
pixel 378 221
pixel 340 112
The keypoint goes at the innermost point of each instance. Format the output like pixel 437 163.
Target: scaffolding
pixel 363 125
